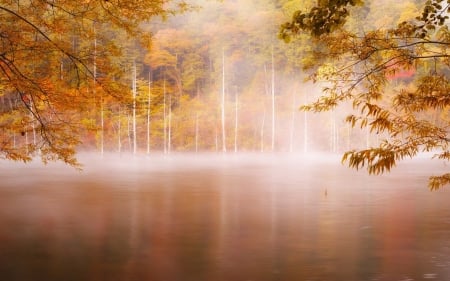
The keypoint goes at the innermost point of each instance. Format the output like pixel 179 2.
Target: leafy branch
pixel 360 68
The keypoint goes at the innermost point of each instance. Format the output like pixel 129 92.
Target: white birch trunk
pixel 128 132
pixel 222 107
pixel 196 121
pixel 102 122
pixel 261 133
pixel 273 102
pixel 164 117
pixel 236 123
pixel 196 132
pixel 169 140
pixel 102 125
pixel 61 62
pixel 267 92
pixel 119 131
pixel 33 126
pixel 216 140
pixel 148 111
pixel 34 133
pixel 134 109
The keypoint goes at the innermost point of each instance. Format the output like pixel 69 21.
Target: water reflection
pixel 221 220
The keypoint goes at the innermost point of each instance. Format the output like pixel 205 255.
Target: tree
pixel 222 105
pixel 363 68
pixel 39 37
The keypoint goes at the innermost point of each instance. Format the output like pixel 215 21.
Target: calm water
pixel 221 218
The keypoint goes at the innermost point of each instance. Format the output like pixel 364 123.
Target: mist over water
pixel 222 217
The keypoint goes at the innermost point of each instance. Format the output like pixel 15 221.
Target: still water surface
pixel 221 218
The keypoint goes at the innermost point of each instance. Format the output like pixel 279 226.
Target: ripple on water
pixel 430 275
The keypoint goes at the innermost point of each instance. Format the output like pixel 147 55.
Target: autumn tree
pixel 361 67
pixel 55 57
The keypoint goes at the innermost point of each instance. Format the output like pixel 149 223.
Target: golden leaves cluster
pixel 50 52
pixel 398 83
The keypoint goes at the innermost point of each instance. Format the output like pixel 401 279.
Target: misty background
pixel 218 79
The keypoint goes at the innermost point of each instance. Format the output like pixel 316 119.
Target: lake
pixel 222 218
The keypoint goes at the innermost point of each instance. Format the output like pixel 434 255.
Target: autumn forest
pixel 173 76
pixel 224 140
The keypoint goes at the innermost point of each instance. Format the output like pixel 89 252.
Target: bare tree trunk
pixel 216 139
pixel 196 122
pixel 102 122
pixel 119 131
pixel 61 61
pixel 33 126
pixel 222 107
pixel 261 133
pixel 134 108
pixel 273 103
pixel 148 111
pixel 236 120
pixel 128 132
pixel 196 132
pixel 266 87
pixel 164 116
pixel 169 141
pixel 26 141
pixel 34 133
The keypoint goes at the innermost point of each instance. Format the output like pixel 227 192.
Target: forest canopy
pixel 396 79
